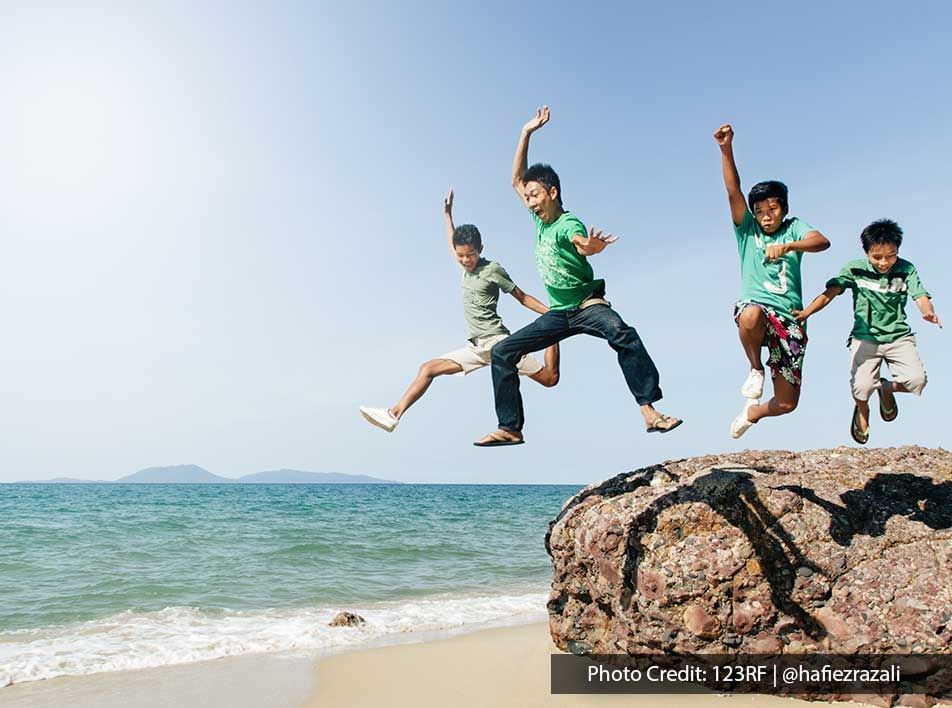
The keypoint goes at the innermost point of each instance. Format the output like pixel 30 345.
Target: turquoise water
pixel 81 560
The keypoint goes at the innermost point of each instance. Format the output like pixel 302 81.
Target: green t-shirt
pixel 566 273
pixel 776 284
pixel 481 295
pixel 879 299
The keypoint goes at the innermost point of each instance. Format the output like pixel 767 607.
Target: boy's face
pixel 467 256
pixel 769 214
pixel 883 256
pixel 542 202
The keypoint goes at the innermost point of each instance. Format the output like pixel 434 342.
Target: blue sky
pixel 222 230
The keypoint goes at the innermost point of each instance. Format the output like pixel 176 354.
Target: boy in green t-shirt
pixel 881 284
pixel 771 247
pixel 576 301
pixel 482 281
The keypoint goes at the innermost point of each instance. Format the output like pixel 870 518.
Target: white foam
pixel 178 635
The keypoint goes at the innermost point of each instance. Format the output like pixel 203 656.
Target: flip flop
pixel 662 418
pixel 885 413
pixel 860 436
pixel 497 440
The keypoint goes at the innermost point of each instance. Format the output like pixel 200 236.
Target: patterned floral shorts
pixel 785 339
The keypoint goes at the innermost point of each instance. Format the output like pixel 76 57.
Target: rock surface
pixel 838 551
pixel 346 619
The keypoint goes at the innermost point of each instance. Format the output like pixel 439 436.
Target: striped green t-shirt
pixel 879 299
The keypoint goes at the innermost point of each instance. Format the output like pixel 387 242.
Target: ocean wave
pixel 178 635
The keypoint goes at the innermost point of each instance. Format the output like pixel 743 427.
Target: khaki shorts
pixel 478 353
pixel 900 356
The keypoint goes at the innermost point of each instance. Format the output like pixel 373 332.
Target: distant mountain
pixel 302 477
pixel 177 474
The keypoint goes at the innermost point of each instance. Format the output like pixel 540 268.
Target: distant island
pixel 193 474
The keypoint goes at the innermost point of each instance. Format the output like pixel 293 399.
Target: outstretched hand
pixel 448 202
pixel 541 118
pixel 724 136
pixel 595 242
pixel 932 317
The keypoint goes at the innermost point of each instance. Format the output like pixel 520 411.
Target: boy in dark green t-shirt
pixel 576 301
pixel 881 284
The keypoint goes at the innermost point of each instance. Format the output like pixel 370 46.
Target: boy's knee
pixel 785 407
pixel 551 379
pixel 429 368
pixel 915 383
pixel 751 318
pixel 503 355
pixel 621 336
pixel 863 390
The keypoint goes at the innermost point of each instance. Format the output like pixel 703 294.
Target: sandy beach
pixel 503 668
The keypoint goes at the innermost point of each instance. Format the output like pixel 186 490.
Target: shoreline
pixel 466 667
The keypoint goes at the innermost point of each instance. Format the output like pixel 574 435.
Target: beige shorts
pixel 478 353
pixel 900 356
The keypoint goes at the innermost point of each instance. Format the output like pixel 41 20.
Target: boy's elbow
pixel 821 242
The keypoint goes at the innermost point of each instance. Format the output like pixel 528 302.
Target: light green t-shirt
pixel 566 274
pixel 879 299
pixel 481 295
pixel 776 284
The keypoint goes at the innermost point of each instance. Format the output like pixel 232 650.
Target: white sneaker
pixel 381 417
pixel 754 385
pixel 741 424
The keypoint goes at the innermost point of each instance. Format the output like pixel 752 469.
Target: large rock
pixel 839 551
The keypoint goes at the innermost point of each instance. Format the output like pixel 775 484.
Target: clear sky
pixel 221 222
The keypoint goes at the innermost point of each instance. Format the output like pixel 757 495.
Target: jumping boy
pixel 482 281
pixel 576 301
pixel 771 247
pixel 881 284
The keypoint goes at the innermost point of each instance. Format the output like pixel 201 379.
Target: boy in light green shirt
pixel 881 285
pixel 482 281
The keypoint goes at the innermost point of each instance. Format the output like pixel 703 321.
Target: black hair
pixel 468 235
pixel 880 232
pixel 544 175
pixel 765 190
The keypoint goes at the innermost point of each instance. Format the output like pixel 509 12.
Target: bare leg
pixel 429 371
pixel 751 326
pixel 785 399
pixel 548 375
pixel 888 388
pixel 863 408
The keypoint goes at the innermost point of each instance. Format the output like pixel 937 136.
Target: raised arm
pixel 448 215
pixel 520 163
pixel 724 136
pixel 526 300
pixel 819 302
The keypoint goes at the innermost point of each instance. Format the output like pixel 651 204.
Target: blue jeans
pixel 554 326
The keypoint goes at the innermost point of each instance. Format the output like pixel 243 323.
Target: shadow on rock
pixel 731 493
pixel 866 511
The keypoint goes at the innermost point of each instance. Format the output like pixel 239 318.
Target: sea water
pixel 102 577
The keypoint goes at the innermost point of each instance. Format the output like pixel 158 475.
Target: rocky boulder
pixel 836 551
pixel 346 619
